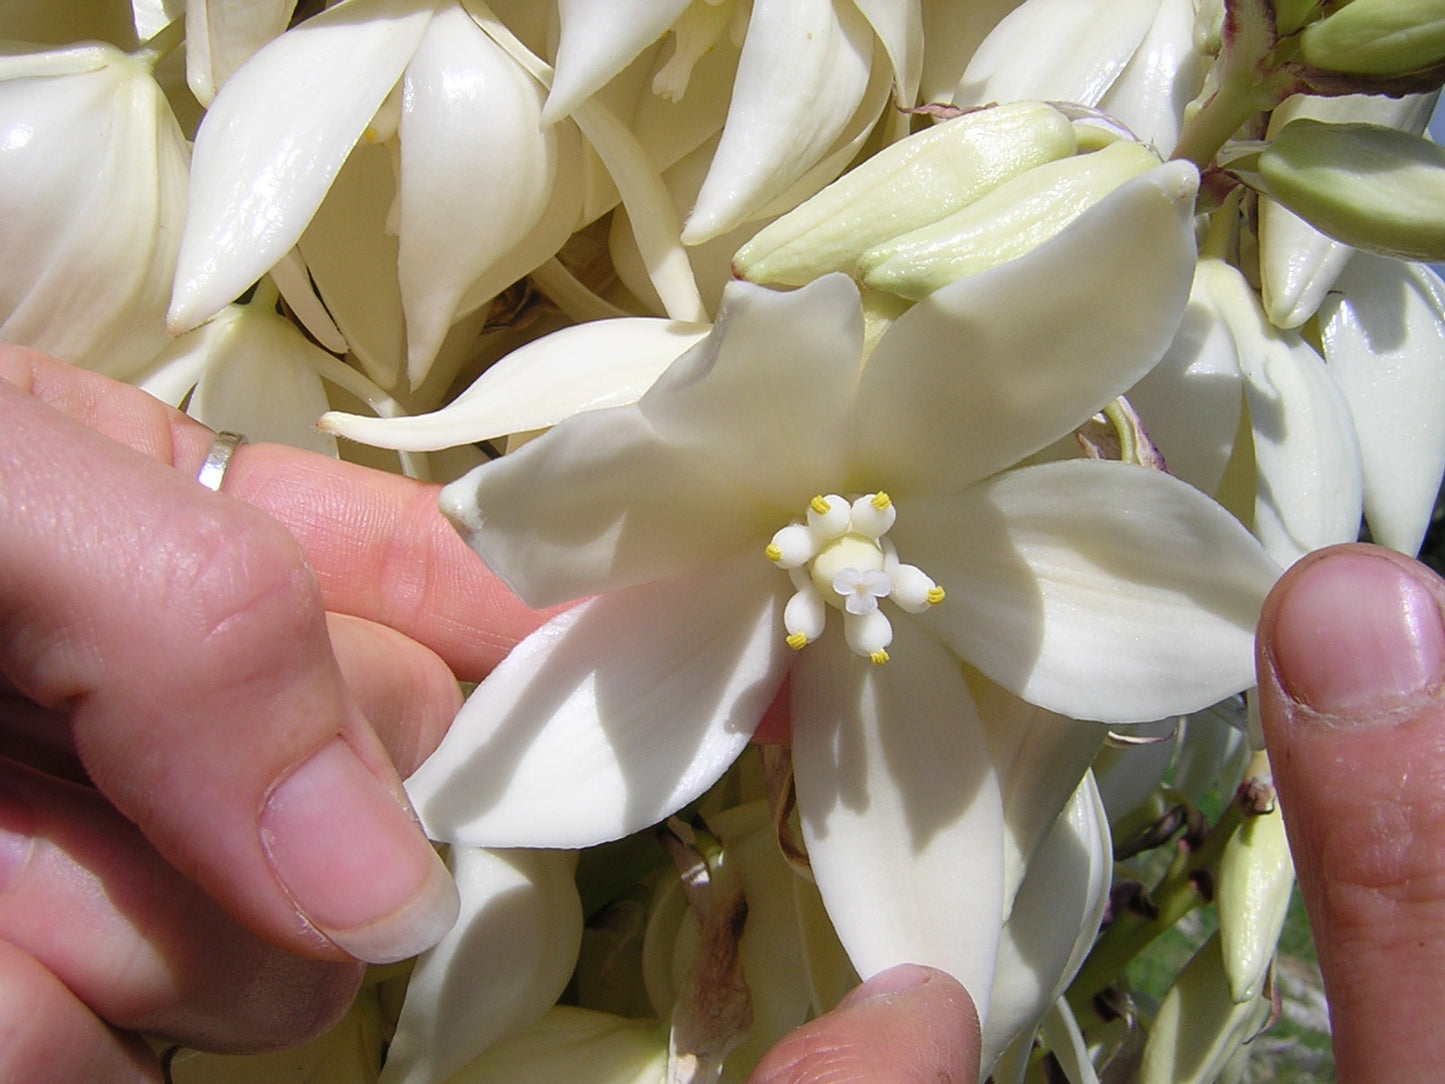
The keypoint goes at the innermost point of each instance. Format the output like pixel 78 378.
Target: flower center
pixel 839 555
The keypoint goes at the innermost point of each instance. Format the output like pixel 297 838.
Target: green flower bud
pixel 1256 877
pixel 1199 1026
pixel 915 181
pixel 1376 188
pixel 1378 37
pixel 1003 224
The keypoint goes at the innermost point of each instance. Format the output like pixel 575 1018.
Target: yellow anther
pixel 881 500
pixel 797 641
pixel 879 657
pixel 820 505
pixel 935 595
pixel 774 552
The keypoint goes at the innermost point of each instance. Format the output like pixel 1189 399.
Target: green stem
pixel 1233 104
pixel 1176 895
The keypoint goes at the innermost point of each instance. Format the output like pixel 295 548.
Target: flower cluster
pixel 914 402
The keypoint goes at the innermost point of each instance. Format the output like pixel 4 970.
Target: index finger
pixel 377 541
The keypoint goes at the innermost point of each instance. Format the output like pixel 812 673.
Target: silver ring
pixel 218 460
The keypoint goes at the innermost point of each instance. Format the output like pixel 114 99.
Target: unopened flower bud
pixel 1256 877
pixel 915 181
pixel 1378 37
pixel 1003 224
pixel 1376 188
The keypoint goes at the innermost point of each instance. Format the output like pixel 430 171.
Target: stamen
pixel 879 657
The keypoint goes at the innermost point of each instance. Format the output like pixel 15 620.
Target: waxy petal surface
pixel 596 41
pixel 803 72
pixel 1099 590
pixel 1034 346
pixel 274 139
pixel 900 807
pixel 1384 339
pixel 520 927
pixel 1056 50
pixel 583 367
pixel 613 715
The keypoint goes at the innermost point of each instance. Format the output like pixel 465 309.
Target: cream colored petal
pixel 92 197
pixel 1096 589
pixel 477 169
pixel 1384 339
pixel 1161 78
pixel 596 41
pixel 1057 50
pixel 221 35
pixel 900 807
pixel 586 367
pixel 520 928
pixel 1054 921
pixel 274 139
pixel 996 366
pixel 804 70
pixel 262 379
pixel 613 715
pixel 898 25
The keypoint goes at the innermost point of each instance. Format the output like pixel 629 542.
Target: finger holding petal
pixel 1034 346
pixel 1096 589
pixel 613 715
pixel 900 807
pixel 274 139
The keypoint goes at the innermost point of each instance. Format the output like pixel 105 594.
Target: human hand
pixel 1351 660
pixel 206 702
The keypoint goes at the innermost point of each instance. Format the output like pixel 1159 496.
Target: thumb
pixel 906 1025
pixel 1351 659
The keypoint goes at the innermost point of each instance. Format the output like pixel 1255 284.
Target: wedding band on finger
pixel 218 460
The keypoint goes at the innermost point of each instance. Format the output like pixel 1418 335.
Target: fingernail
pixel 354 861
pixel 17 837
pixel 898 979
pixel 1357 636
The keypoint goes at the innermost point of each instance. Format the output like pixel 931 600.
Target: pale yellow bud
pixel 1375 188
pixel 1256 877
pixel 1378 37
pixel 1003 224
pixel 915 181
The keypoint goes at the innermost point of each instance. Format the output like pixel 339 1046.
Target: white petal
pixel 1129 775
pixel 993 367
pixel 500 968
pixel 1054 922
pixel 1191 401
pixel 612 716
pixel 92 197
pixel 477 169
pixel 274 139
pixel 261 379
pixel 1310 488
pixel 575 1044
pixel 1384 338
pixel 596 41
pixel 600 503
pixel 221 35
pixel 1039 756
pixel 900 807
pixel 804 70
pixel 1297 264
pixel 1164 76
pixel 1057 50
pixel 587 367
pixel 898 25
pixel 1096 589
pixel 952 34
